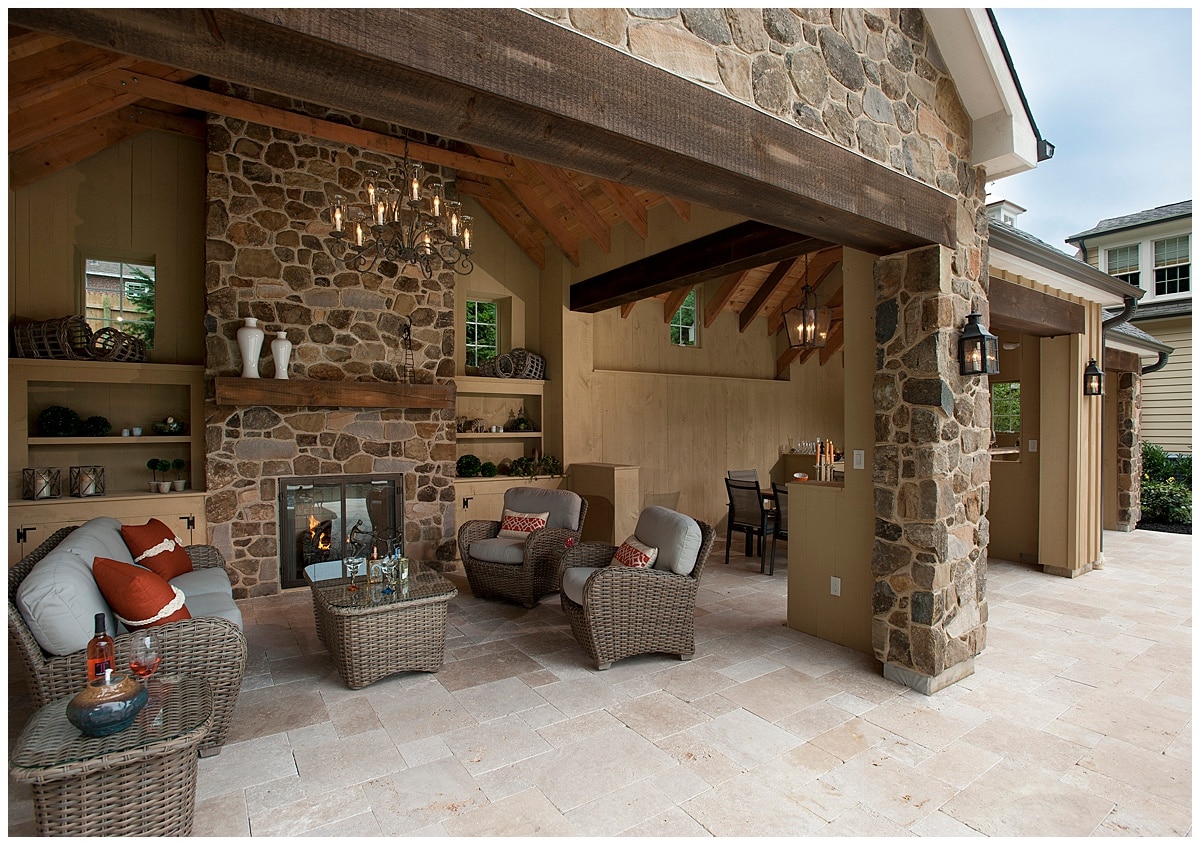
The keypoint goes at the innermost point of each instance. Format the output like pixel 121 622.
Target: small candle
pixel 466 233
pixel 415 186
pixel 380 210
pixel 358 234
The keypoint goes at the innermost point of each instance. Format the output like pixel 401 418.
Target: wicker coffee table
pixel 371 633
pixel 139 782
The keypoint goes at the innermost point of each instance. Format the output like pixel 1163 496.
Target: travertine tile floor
pixel 1077 721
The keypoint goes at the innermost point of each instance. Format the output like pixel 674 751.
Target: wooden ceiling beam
pixel 35 162
pixel 576 203
pixel 770 284
pixel 819 268
pixel 785 360
pixel 627 203
pixel 717 302
pixel 163 91
pixel 502 206
pixel 59 69
pixel 177 124
pixel 674 299
pixel 26 44
pixel 739 247
pixel 627 309
pixel 682 208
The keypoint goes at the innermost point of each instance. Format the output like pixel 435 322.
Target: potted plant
pixel 157 465
pixel 178 465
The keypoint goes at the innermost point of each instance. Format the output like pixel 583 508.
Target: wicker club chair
pixel 748 514
pixel 524 571
pixel 205 647
pixel 626 611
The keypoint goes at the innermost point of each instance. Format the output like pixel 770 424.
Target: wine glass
pixel 144 659
pixel 355 565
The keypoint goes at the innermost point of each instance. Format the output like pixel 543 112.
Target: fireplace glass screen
pixel 319 516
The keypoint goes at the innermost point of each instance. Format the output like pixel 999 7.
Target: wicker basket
pixel 111 344
pixel 527 364
pixel 504 366
pixel 64 339
pixel 488 368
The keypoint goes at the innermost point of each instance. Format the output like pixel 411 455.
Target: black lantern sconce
pixel 978 350
pixel 1093 379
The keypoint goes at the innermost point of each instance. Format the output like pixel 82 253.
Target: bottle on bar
pixel 100 653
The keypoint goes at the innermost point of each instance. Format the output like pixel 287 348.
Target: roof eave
pixel 1010 252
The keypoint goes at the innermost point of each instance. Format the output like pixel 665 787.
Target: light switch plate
pixel 835 585
pixel 1032 445
pixel 860 458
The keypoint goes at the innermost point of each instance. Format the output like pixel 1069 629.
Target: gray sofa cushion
pixel 99 537
pixel 574 577
pixel 213 604
pixel 563 505
pixel 499 550
pixel 676 536
pixel 200 582
pixel 59 601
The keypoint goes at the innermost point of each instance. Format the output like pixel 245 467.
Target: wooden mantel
pixel 309 393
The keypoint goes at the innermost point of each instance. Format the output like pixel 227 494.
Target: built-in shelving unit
pixel 495 401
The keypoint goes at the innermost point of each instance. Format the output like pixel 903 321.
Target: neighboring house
pixel 1152 249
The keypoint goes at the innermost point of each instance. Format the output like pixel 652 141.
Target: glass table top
pixel 423 582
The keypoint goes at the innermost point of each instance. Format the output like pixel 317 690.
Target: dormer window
pixel 1172 266
pixel 1123 263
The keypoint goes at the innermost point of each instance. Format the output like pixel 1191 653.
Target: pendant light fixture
pixel 808 324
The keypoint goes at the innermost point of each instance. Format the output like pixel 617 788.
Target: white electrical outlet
pixel 860 458
pixel 1032 445
pixel 835 585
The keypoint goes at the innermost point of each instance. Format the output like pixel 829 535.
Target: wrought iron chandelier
pixel 807 325
pixel 403 218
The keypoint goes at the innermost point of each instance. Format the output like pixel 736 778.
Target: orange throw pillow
pixel 156 547
pixel 138 597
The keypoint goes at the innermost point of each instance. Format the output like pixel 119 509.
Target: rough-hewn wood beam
pixel 1020 309
pixel 770 284
pixel 193 98
pixel 630 206
pixel 739 247
pixel 568 101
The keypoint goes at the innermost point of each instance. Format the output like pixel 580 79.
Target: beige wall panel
pixel 142 197
pixel 1013 502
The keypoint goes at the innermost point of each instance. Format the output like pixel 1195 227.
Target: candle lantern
pixel 41 482
pixel 87 481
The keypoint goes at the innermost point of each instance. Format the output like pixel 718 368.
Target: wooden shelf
pixel 500 386
pixel 496 435
pixel 109 496
pixel 310 393
pixel 109 441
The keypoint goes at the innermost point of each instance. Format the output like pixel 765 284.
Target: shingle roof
pixel 1170 308
pixel 1141 218
pixel 1138 336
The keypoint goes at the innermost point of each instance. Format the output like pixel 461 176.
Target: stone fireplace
pixel 265 258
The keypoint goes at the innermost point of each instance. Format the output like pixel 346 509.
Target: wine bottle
pixel 100 653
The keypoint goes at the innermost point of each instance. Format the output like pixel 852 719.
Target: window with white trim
pixel 482 331
pixel 119 294
pixel 1172 266
pixel 684 329
pixel 1123 263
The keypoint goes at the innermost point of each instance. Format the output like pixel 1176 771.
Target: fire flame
pixel 322 539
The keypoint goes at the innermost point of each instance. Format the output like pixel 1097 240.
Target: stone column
pixel 931 474
pixel 1129 450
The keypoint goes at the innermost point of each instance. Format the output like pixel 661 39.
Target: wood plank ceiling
pixel 68 101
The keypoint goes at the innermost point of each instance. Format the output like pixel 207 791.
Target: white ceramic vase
pixel 281 351
pixel 250 342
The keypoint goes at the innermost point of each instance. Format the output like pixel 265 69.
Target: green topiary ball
pixel 95 427
pixel 488 470
pixel 468 466
pixel 57 421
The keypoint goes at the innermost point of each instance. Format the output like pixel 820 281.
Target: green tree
pixel 139 291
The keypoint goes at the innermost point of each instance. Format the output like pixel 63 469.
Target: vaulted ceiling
pixel 69 100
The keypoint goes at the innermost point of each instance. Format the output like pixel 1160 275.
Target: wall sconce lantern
pixel 1093 379
pixel 978 350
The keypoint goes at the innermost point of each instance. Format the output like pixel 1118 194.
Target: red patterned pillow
pixel 519 525
pixel 635 554
pixel 156 547
pixel 137 596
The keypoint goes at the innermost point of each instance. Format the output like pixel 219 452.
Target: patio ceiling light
pixel 978 349
pixel 1093 379
pixel 808 324
pixel 403 218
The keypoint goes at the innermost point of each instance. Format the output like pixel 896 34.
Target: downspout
pixel 1157 365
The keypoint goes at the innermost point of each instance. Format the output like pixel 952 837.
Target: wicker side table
pixel 139 782
pixel 371 634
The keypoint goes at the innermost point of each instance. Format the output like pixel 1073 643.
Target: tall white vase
pixel 250 342
pixel 281 351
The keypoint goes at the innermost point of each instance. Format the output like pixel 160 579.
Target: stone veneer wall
pixel 932 471
pixel 1129 450
pixel 265 188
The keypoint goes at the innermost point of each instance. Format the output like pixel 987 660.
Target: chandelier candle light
pixel 403 219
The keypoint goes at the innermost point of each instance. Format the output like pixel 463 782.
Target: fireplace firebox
pixel 319 516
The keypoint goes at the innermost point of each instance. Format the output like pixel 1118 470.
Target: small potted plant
pixel 157 465
pixel 179 465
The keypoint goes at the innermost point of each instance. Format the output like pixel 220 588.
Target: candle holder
pixel 87 481
pixel 41 482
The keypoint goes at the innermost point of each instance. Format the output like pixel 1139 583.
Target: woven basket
pixel 111 344
pixel 504 366
pixel 488 368
pixel 64 339
pixel 527 364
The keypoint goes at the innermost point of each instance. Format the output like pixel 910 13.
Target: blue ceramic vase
pixel 102 709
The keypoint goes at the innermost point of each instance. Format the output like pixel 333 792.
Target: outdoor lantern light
pixel 808 324
pixel 978 350
pixel 1093 379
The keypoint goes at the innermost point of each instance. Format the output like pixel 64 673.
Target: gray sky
pixel 1112 90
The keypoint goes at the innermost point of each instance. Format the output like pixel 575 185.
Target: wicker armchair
pixel 207 647
pixel 626 611
pixel 536 573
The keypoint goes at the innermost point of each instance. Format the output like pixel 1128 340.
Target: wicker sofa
pixel 210 645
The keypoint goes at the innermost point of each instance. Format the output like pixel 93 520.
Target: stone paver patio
pixel 1077 721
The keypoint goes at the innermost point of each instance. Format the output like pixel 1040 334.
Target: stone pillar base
pixel 1070 573
pixel 924 683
